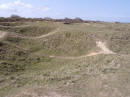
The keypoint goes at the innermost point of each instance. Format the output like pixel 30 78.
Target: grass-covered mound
pixel 26 62
pixel 12 58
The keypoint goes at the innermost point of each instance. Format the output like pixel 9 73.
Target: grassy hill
pixel 27 70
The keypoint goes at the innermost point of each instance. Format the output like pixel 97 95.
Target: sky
pixel 103 10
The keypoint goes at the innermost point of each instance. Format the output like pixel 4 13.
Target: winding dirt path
pixel 37 37
pixel 100 44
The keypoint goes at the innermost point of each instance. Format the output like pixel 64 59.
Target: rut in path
pixel 37 37
pixel 100 44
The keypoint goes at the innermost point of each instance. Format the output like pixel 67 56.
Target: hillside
pixel 54 59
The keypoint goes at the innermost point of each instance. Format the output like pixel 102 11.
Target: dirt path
pixel 104 48
pixel 2 34
pixel 91 54
pixel 100 44
pixel 37 37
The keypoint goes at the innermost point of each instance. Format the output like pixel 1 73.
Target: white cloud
pixel 19 3
pixel 21 8
pixel 3 6
pixel 44 9
pixel 15 5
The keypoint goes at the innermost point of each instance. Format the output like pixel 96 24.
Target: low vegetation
pixel 27 70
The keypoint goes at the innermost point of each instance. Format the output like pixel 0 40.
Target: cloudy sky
pixel 108 10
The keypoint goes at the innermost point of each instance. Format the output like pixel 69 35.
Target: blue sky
pixel 105 10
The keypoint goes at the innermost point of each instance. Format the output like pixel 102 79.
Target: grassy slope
pixel 25 64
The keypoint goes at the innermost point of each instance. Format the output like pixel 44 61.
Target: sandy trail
pixel 2 34
pixel 104 48
pixel 91 54
pixel 100 44
pixel 37 37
